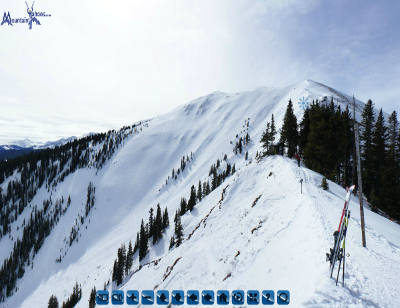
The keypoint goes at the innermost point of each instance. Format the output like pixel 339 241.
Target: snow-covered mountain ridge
pixel 280 243
pixel 21 147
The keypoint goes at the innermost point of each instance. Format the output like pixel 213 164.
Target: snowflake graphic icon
pixel 303 103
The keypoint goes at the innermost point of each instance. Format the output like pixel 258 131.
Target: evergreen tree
pixel 247 155
pixel 137 243
pixel 228 169
pixel 199 192
pixel 204 189
pixel 158 225
pixel 208 190
pixel 265 137
pixel 348 146
pixel 322 152
pixel 390 177
pixel 171 243
pixel 214 181
pixel 367 124
pixel 304 130
pixel 178 231
pixel 183 207
pixel 192 199
pixel 92 298
pixel 121 262
pixel 272 132
pixel 53 302
pixel 378 152
pixel 143 242
pixel 324 185
pixel 289 133
pixel 74 297
pixel 165 219
pixel 373 199
pixel 151 223
pixel 176 216
pixel 115 270
pixel 336 147
pixel 129 259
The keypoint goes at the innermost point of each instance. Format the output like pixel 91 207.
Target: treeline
pixel 73 299
pixel 51 166
pixel 46 167
pixel 152 230
pixel 326 139
pixel 79 221
pixel 157 223
pixel 242 141
pixel 34 233
pixel 380 162
pixel 196 196
pixel 175 172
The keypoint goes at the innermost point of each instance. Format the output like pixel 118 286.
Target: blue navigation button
pixel 117 297
pixel 253 297
pixel 268 297
pixel 132 297
pixel 223 297
pixel 283 297
pixel 207 297
pixel 237 297
pixel 178 297
pixel 162 297
pixel 102 297
pixel 148 297
pixel 192 297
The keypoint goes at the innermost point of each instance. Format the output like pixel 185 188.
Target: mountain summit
pixel 252 230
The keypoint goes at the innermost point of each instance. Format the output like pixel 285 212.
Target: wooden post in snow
pixel 353 177
pixel 357 138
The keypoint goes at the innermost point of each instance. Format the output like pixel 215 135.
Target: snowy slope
pixel 286 251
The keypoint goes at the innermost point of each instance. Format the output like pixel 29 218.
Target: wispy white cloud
pixel 115 62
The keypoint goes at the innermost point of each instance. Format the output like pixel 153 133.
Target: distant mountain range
pixel 265 223
pixel 20 147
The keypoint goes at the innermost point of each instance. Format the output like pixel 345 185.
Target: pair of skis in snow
pixel 338 252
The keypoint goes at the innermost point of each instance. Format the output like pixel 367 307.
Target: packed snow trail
pixel 277 244
pixel 371 278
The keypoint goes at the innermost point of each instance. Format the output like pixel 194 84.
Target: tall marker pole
pixel 353 177
pixel 360 183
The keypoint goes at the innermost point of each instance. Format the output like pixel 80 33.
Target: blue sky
pixel 98 65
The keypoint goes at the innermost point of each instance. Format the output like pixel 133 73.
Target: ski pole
pixel 344 247
pixel 340 262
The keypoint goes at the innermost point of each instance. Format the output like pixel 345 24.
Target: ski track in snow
pixel 371 278
pixel 276 243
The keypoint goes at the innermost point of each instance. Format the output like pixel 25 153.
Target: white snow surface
pixel 279 244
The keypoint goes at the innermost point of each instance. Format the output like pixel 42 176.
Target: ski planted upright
pixel 334 254
pixel 342 252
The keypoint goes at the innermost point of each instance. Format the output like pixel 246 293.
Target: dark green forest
pixel 47 168
pixel 325 137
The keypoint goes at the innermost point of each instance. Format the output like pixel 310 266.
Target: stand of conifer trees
pixel 326 140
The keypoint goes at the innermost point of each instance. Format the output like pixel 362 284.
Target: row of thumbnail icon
pixel 267 297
